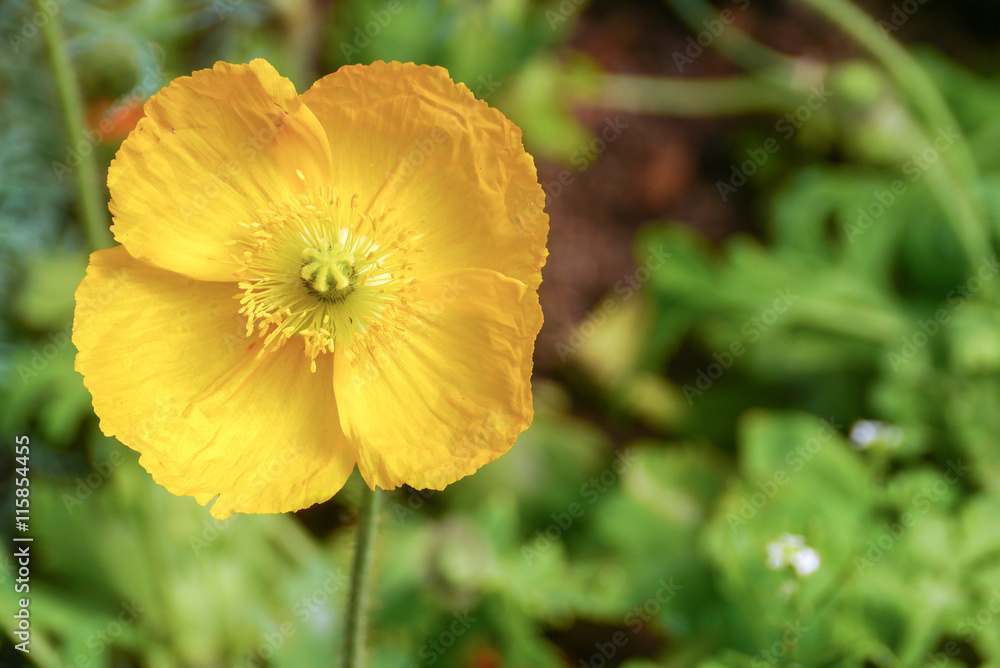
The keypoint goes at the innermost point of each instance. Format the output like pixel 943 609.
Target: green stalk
pixel 357 602
pixel 733 42
pixel 973 239
pixel 905 69
pixel 914 81
pixel 727 96
pixel 89 200
pixel 305 21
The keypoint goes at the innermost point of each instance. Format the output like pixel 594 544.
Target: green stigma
pixel 327 272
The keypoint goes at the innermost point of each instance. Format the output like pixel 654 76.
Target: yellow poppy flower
pixel 309 282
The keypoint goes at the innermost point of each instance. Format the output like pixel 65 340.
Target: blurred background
pixel 766 392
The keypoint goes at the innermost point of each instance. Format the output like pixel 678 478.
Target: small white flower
pixel 805 561
pixel 791 550
pixel 778 551
pixel 866 433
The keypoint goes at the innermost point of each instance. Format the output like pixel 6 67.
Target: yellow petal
pixel 406 137
pixel 451 394
pixel 174 377
pixel 213 150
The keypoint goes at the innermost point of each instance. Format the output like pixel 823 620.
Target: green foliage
pixel 781 450
pixel 860 304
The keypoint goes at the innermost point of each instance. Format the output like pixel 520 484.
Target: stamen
pixel 332 276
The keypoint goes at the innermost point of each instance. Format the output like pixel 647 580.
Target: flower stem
pixel 906 70
pixel 357 602
pixel 721 96
pixel 733 43
pixel 89 201
pixel 957 193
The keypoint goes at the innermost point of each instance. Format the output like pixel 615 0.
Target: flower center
pixel 327 272
pixel 331 274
